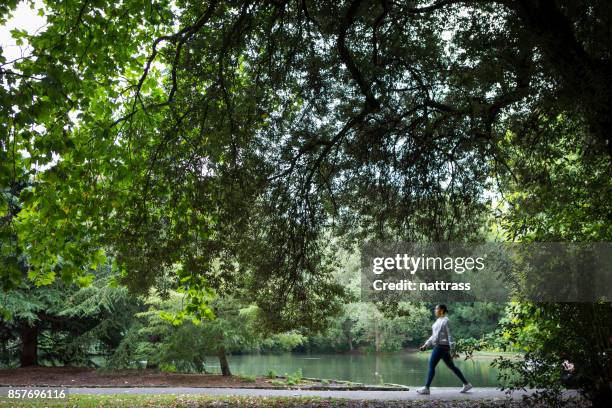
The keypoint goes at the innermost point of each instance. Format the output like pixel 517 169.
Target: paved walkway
pixel 437 393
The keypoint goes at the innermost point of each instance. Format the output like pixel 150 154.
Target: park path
pixel 437 393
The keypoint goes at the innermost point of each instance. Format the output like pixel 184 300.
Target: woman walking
pixel 442 341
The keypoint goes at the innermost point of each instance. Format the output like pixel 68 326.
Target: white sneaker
pixel 423 391
pixel 466 387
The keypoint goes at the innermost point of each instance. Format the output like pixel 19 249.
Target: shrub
pixel 168 368
pixel 294 378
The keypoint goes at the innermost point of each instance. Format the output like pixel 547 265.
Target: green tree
pixel 279 120
pixel 476 319
pixel 64 324
pixel 166 342
pixel 252 130
pixel 558 192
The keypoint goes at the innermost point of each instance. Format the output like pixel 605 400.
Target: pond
pixel 408 368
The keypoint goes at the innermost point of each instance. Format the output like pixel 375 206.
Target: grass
pixel 122 400
pixel 247 378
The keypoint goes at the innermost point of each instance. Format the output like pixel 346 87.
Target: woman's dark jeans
pixel 442 352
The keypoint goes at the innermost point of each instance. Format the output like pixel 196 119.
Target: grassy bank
pixel 90 401
pixel 489 355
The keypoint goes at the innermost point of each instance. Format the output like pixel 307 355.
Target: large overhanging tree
pixel 227 137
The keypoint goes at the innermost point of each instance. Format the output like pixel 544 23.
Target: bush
pixel 168 368
pixel 295 378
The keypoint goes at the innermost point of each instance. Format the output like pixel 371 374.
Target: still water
pixel 399 368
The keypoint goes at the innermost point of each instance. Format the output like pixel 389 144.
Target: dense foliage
pixel 63 324
pixel 559 192
pixel 255 126
pixel 213 149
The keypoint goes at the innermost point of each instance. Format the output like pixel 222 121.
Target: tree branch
pixel 180 38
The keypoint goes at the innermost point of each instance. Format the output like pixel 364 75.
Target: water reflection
pixel 400 368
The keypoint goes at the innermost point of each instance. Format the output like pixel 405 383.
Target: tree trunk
pixel 29 345
pixel 152 365
pixel 377 339
pixel 347 326
pixel 225 370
